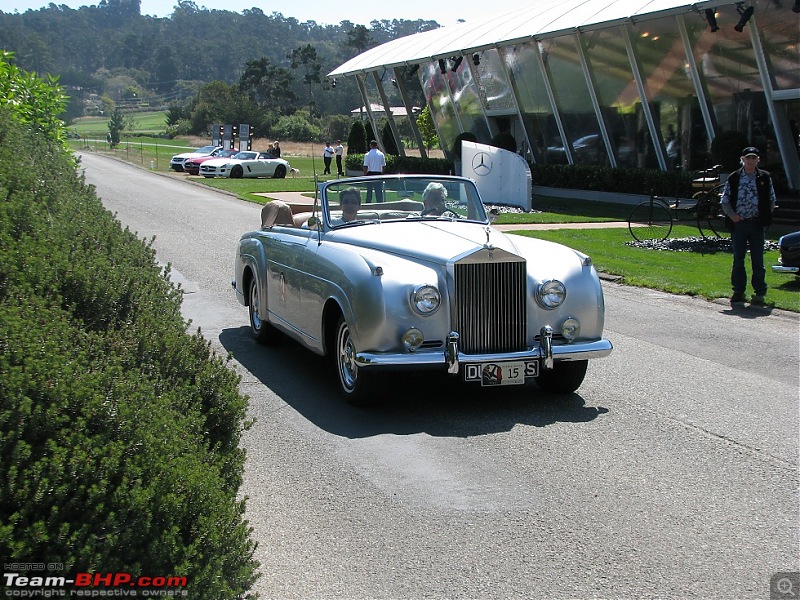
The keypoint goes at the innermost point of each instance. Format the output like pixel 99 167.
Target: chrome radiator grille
pixel 490 296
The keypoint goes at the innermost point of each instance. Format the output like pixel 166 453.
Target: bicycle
pixel 653 219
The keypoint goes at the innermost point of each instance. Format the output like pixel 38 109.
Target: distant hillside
pixel 113 49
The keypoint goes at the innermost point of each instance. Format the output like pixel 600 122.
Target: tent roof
pixel 550 19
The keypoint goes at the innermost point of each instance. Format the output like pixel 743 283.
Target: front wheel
pixel 357 384
pixel 237 172
pixel 650 220
pixel 564 377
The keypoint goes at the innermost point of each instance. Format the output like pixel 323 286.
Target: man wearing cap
pixel 748 200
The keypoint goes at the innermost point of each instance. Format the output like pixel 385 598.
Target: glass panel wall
pixel 617 94
pixel 779 29
pixel 670 91
pixel 729 71
pixel 467 100
pixel 435 87
pixel 560 56
pixel 537 113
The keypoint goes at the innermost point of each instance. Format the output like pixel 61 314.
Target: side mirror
pixel 314 223
pixel 493 214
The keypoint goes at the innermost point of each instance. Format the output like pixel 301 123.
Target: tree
pixel 116 126
pixel 359 39
pixel 166 69
pixel 357 140
pixel 427 129
pixel 32 101
pixel 389 143
pixel 269 86
pixel 305 58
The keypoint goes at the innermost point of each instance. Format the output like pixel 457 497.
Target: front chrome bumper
pixel 546 351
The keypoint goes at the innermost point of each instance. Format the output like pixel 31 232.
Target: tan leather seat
pixel 276 213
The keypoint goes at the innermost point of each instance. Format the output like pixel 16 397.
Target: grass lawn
pixel 154 122
pixel 690 273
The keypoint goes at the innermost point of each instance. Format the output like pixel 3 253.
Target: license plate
pixel 501 373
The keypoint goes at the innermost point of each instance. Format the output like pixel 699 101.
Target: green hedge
pixel 119 431
pixel 581 177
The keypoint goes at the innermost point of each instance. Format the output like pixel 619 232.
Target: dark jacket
pixel 764 189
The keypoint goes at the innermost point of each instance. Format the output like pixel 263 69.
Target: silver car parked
pixel 407 272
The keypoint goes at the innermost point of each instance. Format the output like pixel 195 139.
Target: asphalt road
pixel 672 473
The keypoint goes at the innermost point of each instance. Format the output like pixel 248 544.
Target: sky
pixel 324 12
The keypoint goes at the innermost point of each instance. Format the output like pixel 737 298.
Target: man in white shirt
pixel 339 150
pixel 327 156
pixel 374 164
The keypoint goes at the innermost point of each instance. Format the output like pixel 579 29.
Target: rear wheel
pixel 237 172
pixel 564 377
pixel 710 216
pixel 357 384
pixel 263 332
pixel 280 172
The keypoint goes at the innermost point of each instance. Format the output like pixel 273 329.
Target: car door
pixel 286 250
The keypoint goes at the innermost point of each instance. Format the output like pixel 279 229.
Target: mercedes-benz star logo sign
pixel 482 163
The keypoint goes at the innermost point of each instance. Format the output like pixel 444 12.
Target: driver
pixel 433 199
pixel 350 201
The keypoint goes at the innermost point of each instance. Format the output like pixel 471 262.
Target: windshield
pixel 206 149
pixel 245 155
pixel 379 199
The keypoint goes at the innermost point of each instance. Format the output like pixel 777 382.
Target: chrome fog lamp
pixel 412 339
pixel 551 294
pixel 570 329
pixel 425 299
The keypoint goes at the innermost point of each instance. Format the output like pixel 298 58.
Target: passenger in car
pixel 433 198
pixel 350 201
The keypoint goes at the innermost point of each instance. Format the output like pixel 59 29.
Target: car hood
pixel 217 162
pixel 441 242
pixel 190 155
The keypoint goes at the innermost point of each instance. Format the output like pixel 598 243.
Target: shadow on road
pixel 436 404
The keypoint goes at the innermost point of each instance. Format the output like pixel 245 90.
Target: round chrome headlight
pixel 425 299
pixel 412 339
pixel 551 294
pixel 570 329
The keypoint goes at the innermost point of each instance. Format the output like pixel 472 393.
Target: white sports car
pixel 176 163
pixel 247 163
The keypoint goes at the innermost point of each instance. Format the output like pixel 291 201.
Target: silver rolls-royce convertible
pixel 407 272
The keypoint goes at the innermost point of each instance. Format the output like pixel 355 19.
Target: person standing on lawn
pixel 339 149
pixel 374 164
pixel 748 200
pixel 327 157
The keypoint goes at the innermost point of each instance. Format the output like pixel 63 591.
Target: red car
pixel 192 166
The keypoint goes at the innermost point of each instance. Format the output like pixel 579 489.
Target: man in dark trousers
pixel 374 164
pixel 748 200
